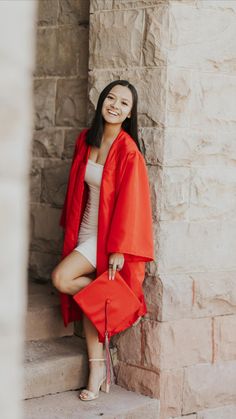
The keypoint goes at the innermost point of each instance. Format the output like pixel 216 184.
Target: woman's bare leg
pixel 70 276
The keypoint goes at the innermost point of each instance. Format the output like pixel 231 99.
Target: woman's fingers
pixel 115 263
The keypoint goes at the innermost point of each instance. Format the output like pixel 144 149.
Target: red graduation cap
pixel 111 305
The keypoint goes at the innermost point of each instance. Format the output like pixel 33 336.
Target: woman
pixel 106 216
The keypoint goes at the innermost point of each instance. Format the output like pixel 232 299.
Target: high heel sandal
pixel 105 386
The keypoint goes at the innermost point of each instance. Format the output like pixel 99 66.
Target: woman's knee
pixel 57 279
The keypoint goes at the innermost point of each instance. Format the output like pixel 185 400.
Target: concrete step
pixel 118 404
pixel 55 365
pixel 44 318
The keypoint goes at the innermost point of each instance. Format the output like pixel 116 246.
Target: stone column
pixel 17 56
pixel 180 55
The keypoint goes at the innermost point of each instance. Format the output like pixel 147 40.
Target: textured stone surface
pixel 209 385
pixel 41 265
pixel 54 181
pixel 171 390
pixel 214 293
pixel 44 103
pixel 156 35
pixel 225 338
pixel 45 234
pixel 204 246
pixel 48 143
pixel 200 147
pixel 118 404
pixel 176 344
pixel 210 49
pixel 54 365
pixel 175 189
pixel 137 379
pixel 103 40
pixel 126 350
pixel 153 291
pixel 70 102
pixel 97 5
pixel 224 412
pixel 44 320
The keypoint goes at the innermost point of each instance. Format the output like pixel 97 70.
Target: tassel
pixel 109 366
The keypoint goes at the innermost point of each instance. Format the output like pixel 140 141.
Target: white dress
pixel 87 237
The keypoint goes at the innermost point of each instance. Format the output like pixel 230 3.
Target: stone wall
pixel 181 57
pixel 60 89
pixel 17 54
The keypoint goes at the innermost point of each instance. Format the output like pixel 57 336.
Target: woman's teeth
pixel 113 113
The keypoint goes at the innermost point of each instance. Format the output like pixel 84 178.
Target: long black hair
pixel 95 132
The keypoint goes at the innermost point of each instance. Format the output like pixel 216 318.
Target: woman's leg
pixel 70 276
pixel 72 273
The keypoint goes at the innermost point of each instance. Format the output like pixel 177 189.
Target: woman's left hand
pixel 116 262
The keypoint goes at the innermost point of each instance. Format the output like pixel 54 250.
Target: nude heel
pixel 103 385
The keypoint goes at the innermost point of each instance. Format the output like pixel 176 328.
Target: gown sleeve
pixel 131 224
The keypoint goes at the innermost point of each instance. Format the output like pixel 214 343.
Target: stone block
pixel 71 108
pixel 225 338
pixel 153 293
pixel 209 385
pixel 117 47
pixel 54 57
pixel 200 147
pixel 186 342
pixel 179 98
pixel 177 297
pixel 155 185
pixel 177 343
pixel 156 32
pixel 71 136
pixel 98 5
pixel 212 193
pixel 137 379
pixel 151 345
pixel 151 101
pixel 47 12
pixel 129 345
pixel 204 246
pixel 206 110
pixel 37 165
pixel 223 412
pixel 48 143
pixel 152 145
pixel 202 37
pixel 44 103
pixel 46 234
pixel 175 193
pixel 41 265
pixel 73 12
pixel 54 181
pixel 214 293
pixel 171 389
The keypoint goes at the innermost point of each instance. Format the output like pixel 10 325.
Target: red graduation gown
pixel 124 217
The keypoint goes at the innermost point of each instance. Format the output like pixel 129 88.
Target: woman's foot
pixel 97 376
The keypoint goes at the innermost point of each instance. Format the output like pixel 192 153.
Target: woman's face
pixel 117 105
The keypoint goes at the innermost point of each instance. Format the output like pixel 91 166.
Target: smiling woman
pixel 106 216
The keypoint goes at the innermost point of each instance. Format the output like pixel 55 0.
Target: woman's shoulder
pixel 128 145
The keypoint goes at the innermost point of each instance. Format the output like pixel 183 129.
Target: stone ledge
pixel 118 404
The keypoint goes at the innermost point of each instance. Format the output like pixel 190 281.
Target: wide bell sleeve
pixel 131 231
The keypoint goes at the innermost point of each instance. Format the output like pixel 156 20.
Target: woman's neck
pixel 110 132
